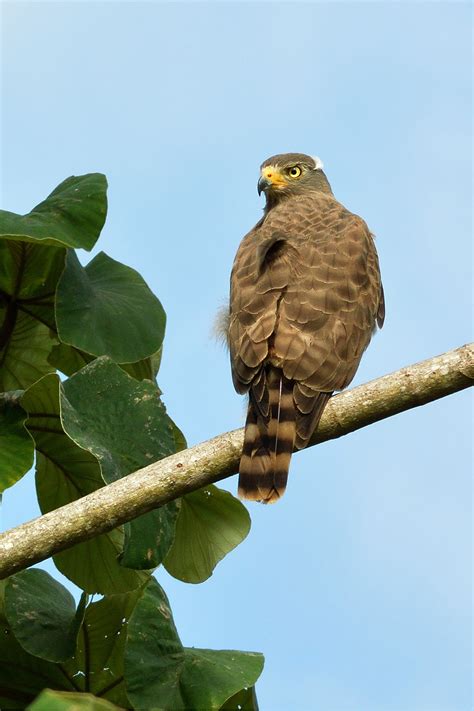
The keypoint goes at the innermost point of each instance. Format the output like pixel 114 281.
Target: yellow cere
pixel 274 176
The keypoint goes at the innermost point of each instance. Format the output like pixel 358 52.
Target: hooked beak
pixel 262 185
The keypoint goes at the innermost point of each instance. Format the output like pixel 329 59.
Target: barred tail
pixel 268 443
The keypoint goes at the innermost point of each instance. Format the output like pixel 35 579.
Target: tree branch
pixel 218 458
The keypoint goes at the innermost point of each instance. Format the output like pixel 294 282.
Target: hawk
pixel 305 298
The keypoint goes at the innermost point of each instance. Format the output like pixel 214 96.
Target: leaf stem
pixel 20 307
pixel 87 658
pixel 11 312
pixel 69 678
pixel 109 686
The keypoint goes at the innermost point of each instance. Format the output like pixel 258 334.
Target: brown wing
pixel 305 296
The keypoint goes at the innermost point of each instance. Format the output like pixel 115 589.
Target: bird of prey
pixel 305 298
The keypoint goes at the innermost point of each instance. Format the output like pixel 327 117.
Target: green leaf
pixel 64 473
pixel 124 424
pixel 29 274
pixel 69 701
pixel 23 676
pixel 156 529
pixel 120 420
pixel 162 674
pixel 179 439
pixel 28 277
pixel 94 565
pixel 106 308
pixel 97 664
pixel 71 216
pixel 62 466
pixel 42 615
pixel 101 645
pixel 144 369
pixel 24 357
pixel 244 700
pixel 16 445
pixel 210 524
pixel 68 360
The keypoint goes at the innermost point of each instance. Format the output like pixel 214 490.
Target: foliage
pixel 80 348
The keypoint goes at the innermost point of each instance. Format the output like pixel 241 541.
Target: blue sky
pixel 357 585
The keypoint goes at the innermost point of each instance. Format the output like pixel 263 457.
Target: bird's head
pixel 290 174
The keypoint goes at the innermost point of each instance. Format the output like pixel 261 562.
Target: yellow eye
pixel 294 172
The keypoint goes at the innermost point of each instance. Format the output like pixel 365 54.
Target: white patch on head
pixel 319 163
